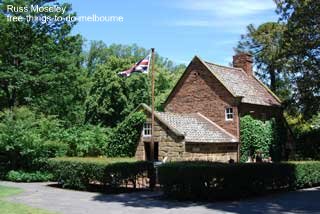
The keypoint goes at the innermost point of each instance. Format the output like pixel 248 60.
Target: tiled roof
pixel 196 128
pixel 241 84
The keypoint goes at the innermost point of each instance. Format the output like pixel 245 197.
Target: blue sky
pixel 177 29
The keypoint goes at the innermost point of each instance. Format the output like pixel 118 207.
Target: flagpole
pixel 152 106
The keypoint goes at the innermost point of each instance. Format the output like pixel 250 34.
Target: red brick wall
pixel 200 91
pixel 244 61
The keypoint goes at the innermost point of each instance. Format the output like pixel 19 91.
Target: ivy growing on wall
pixel 124 138
pixel 258 136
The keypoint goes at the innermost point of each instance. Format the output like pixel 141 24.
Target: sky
pixel 177 29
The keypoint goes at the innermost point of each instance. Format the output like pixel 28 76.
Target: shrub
pixel 307 136
pixel 123 141
pixel 206 181
pixel 307 174
pixel 28 139
pixel 258 136
pixel 308 145
pixel 21 176
pixel 79 173
pixel 84 141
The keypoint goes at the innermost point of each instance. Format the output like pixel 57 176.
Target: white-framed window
pixel 147 129
pixel 229 113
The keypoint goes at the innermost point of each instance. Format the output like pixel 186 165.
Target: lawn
pixel 15 208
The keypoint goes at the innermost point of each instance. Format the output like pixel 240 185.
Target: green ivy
pixel 258 136
pixel 122 142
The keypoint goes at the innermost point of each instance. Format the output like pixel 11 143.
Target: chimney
pixel 244 61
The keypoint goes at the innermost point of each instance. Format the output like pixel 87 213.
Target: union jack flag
pixel 141 67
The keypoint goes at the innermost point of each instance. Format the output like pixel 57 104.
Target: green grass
pixel 15 208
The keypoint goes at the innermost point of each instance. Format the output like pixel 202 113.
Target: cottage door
pixel 148 152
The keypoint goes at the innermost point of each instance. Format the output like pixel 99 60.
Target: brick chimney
pixel 244 61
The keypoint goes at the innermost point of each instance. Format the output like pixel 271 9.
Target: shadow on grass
pixel 303 201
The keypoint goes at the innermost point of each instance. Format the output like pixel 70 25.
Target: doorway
pixel 148 152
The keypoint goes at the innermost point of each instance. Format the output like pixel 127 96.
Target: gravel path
pixel 75 202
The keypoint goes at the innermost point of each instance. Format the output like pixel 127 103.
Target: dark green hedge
pixel 208 181
pixel 80 173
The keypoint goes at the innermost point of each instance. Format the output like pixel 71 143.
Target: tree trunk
pixel 272 73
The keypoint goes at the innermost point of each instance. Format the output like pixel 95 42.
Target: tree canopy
pixel 302 47
pixel 287 54
pixel 40 62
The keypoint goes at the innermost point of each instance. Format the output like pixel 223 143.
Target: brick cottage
pixel 201 114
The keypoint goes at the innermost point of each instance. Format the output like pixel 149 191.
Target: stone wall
pixel 170 146
pixel 200 91
pixel 221 152
pixel 175 149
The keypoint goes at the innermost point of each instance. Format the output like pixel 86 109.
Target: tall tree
pixel 106 102
pixel 99 53
pixel 264 44
pixel 302 46
pixel 40 61
pixel 104 62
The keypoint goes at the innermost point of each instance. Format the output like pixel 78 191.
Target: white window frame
pixel 147 129
pixel 228 113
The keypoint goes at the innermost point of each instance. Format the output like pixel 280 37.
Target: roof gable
pixel 237 82
pixel 243 85
pixel 186 72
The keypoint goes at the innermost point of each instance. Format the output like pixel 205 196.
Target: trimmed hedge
pixel 207 181
pixel 80 173
pixel 22 176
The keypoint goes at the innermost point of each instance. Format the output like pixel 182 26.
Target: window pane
pixel 229 113
pixel 147 129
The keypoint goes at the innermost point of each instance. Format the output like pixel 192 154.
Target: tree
pixel 302 46
pixel 40 61
pixel 28 139
pixel 107 101
pixel 99 53
pixel 131 91
pixel 264 44
pixel 137 91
